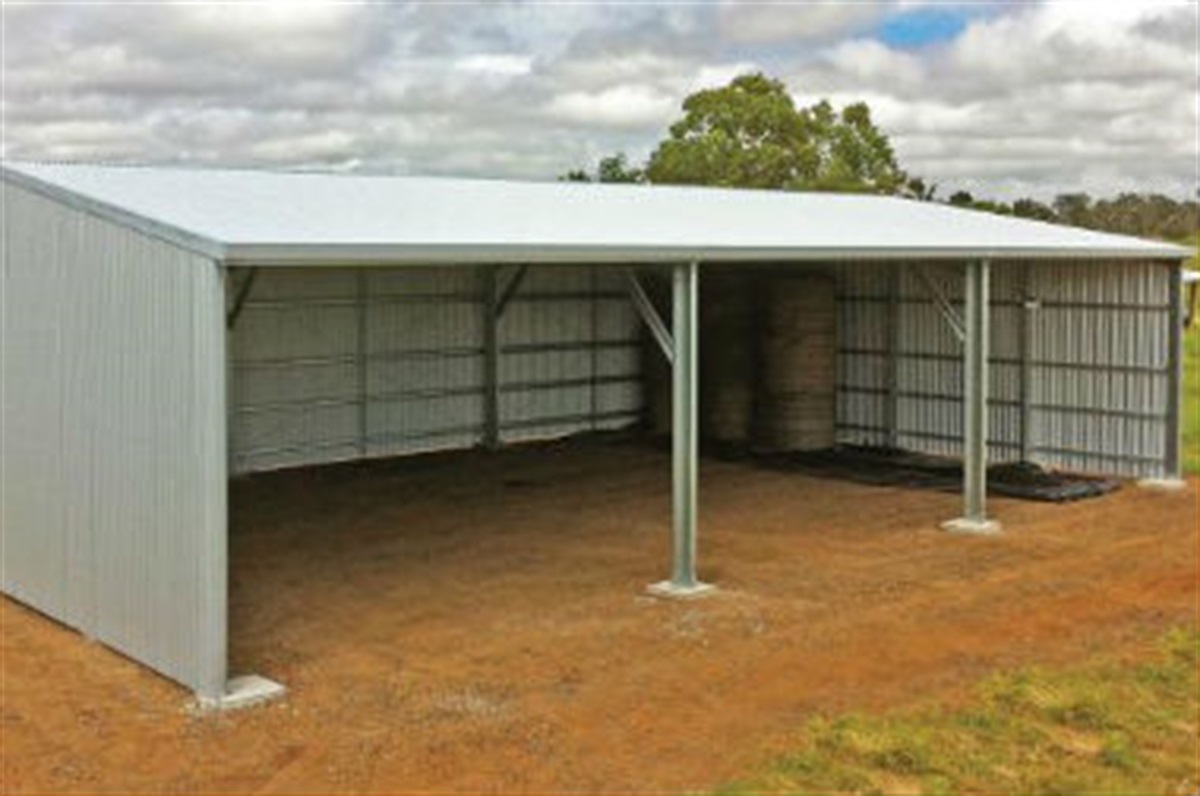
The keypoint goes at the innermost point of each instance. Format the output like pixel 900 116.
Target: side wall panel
pixel 1100 351
pixel 113 479
pixel 339 364
pixel 1098 362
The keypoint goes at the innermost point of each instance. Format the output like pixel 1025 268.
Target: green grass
pixel 1119 727
pixel 1191 385
pixel 1191 400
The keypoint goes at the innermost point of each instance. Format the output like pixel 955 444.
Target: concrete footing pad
pixel 972 527
pixel 1162 484
pixel 669 591
pixel 243 692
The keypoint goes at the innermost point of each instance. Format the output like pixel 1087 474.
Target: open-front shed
pixel 165 329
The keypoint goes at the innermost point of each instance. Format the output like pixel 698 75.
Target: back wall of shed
pixel 333 364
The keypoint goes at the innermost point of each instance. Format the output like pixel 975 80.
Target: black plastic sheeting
pixel 896 467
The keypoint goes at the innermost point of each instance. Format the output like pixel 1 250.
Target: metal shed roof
pixel 263 217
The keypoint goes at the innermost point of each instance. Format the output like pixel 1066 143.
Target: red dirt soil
pixel 478 621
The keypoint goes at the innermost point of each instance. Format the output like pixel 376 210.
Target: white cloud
pixel 871 61
pixel 1077 40
pixel 1029 99
pixel 759 23
pixel 627 105
pixel 1041 99
pixel 713 76
pixel 496 64
pixel 320 146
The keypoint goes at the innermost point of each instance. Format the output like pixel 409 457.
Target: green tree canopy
pixel 613 168
pixel 750 134
pixel 616 168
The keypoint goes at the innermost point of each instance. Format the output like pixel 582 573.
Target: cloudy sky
pixel 1003 99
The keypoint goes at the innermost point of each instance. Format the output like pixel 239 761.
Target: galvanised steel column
pixel 214 689
pixel 684 437
pixel 209 362
pixel 975 405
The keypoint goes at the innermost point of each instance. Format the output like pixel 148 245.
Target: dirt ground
pixel 477 622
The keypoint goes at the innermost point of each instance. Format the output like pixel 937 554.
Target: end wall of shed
pixel 1079 362
pixel 112 477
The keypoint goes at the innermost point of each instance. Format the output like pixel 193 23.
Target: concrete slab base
pixel 243 692
pixel 669 591
pixel 1162 484
pixel 972 527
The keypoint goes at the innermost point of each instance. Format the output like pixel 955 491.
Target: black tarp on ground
pixel 895 467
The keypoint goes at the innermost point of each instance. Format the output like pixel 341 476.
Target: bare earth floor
pixel 478 621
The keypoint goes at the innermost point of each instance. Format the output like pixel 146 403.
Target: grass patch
pixel 1120 727
pixel 1191 400
pixel 1191 386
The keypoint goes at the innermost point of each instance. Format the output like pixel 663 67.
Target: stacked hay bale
pixel 768 355
pixel 798 358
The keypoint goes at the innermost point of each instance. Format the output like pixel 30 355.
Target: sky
pixel 1002 99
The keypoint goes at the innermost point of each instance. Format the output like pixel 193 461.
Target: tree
pixel 616 168
pixel 917 189
pixel 1031 208
pixel 1141 215
pixel 750 134
pixel 613 168
pixel 1073 208
pixel 991 206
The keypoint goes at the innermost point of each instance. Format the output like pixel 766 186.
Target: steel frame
pixel 680 346
pixel 976 328
pixel 649 315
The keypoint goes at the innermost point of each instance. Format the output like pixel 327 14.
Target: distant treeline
pixel 1145 215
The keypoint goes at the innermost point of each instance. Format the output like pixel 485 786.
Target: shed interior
pixel 336 364
pixel 333 365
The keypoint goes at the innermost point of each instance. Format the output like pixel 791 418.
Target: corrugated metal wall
pixel 341 363
pixel 113 470
pixel 1097 338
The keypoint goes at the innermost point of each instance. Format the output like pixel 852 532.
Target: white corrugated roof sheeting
pixel 262 217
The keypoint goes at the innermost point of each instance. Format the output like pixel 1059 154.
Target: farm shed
pixel 164 329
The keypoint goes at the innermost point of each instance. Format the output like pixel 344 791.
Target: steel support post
pixel 684 437
pixel 210 360
pixel 211 357
pixel 975 404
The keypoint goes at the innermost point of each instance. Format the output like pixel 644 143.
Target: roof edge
pixel 283 254
pixel 167 233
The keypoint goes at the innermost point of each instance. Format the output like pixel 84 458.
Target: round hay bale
pixel 798 354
